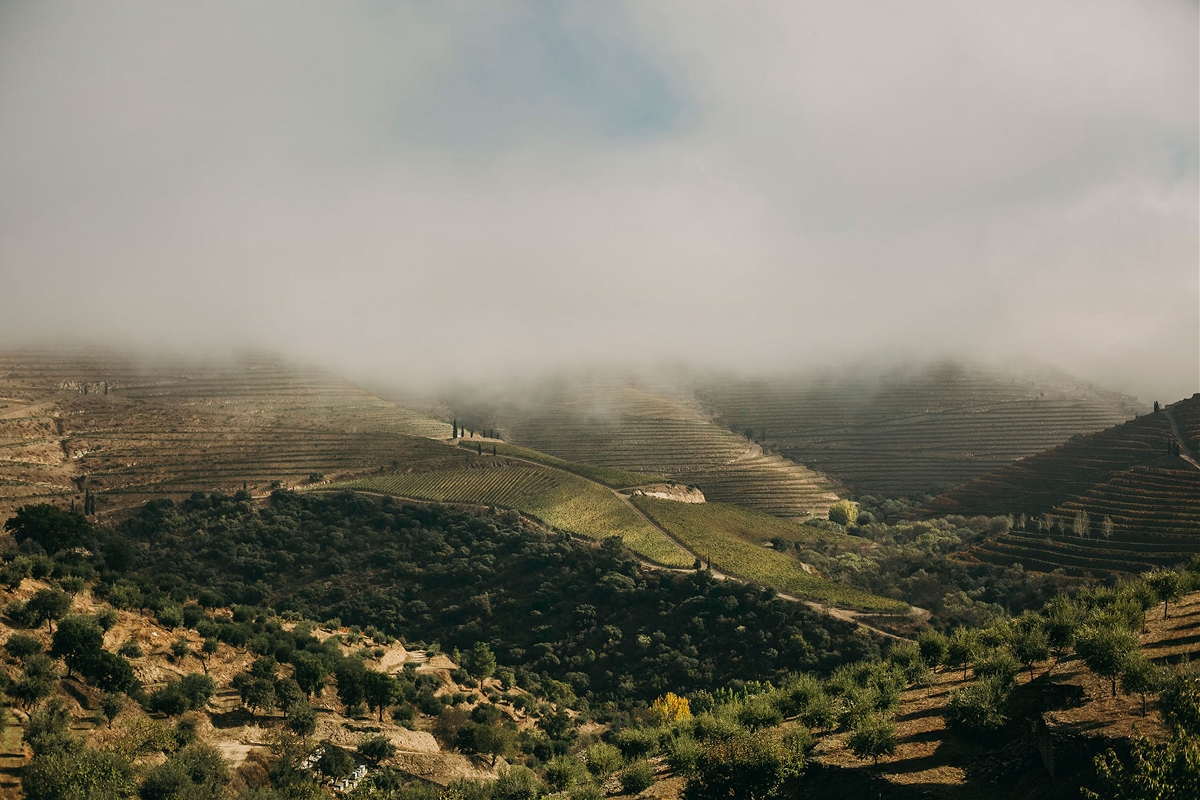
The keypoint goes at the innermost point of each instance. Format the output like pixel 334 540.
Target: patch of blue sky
pixel 536 70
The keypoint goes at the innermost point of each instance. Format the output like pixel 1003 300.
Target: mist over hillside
pixel 421 193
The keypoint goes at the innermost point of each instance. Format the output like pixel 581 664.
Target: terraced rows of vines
pixel 910 433
pixel 559 499
pixel 93 421
pixel 1125 475
pixel 617 425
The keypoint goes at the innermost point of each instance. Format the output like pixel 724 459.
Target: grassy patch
pixel 565 501
pixel 609 476
pixel 718 533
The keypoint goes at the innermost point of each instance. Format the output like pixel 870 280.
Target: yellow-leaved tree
pixel 671 708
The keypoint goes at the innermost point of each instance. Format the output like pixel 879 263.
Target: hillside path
pixel 1176 429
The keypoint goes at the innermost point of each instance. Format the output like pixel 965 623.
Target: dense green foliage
pixel 587 619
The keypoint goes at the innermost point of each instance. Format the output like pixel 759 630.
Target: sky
pixel 432 191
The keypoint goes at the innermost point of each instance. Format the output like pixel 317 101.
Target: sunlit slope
pixel 559 499
pixel 729 538
pixel 113 425
pixel 1150 498
pixel 913 432
pixel 630 428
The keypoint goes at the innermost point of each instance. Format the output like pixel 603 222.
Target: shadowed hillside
pixel 912 432
pixel 1118 500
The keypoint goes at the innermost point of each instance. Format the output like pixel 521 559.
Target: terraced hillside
pixel 913 432
pixel 116 426
pixel 617 425
pixel 1125 475
pixel 560 499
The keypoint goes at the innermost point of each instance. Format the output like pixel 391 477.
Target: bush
pixel 746 766
pixel 759 712
pixel 843 512
pixel 517 783
pixel 603 759
pixel 637 742
pixel 682 754
pixel 637 777
pixel 978 709
pixel 22 645
pixel 563 772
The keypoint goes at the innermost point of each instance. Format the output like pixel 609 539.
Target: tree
pixel 1105 650
pixel 22 645
pixel 479 662
pixel 112 704
pixel 208 649
pixel 197 688
pixel 350 683
pixel 1029 642
pixel 932 646
pixel 1141 676
pixel 302 719
pixel 495 740
pixel 380 690
pixel 874 736
pixel 1081 526
pixel 49 526
pixel 77 642
pixel 843 512
pixel 335 762
pixel 48 605
pixel 960 649
pixel 376 749
pixel 35 682
pixel 1063 618
pixel 257 694
pixel 1106 527
pixel 310 673
pixel 1168 771
pixel 48 731
pixel 1166 585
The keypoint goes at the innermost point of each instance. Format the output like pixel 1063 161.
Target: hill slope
pixel 910 432
pixel 1124 474
pixel 107 423
pixel 621 425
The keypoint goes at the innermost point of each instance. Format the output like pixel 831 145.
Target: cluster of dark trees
pixel 580 619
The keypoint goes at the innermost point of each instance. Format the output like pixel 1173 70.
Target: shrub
pixel 843 512
pixel 22 645
pixel 637 742
pixel 637 777
pixel 517 783
pixel 977 710
pixel 603 759
pixel 746 766
pixel 682 754
pixel 759 712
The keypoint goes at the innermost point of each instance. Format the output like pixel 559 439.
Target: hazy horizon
pixel 454 192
